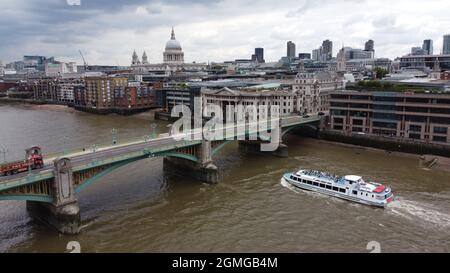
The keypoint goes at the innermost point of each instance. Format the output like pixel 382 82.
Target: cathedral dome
pixel 173 44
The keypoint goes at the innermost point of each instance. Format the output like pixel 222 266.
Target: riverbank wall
pixel 387 143
pixel 8 100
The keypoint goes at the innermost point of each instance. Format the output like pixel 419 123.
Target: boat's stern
pixel 389 197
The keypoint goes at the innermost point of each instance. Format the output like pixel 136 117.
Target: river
pixel 139 208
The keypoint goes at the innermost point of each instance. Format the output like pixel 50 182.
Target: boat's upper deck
pixel 322 176
pixel 353 181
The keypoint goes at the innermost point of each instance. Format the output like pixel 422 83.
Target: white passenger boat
pixel 350 187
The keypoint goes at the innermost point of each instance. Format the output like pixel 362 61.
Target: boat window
pixel 335 189
pixel 329 187
pixel 342 190
pixel 355 192
pixel 309 182
pixel 315 184
pixel 322 185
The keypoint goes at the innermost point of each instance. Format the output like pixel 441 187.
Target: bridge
pixel 51 191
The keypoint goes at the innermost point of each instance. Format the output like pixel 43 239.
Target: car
pixel 321 114
pixel 306 116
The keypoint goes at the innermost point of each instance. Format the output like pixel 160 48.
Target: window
pixel 342 190
pixel 309 182
pixel 358 122
pixel 440 130
pixel 440 120
pixel 315 184
pixel 415 128
pixel 385 125
pixel 329 187
pixel 338 120
pixel 355 192
pixel 439 138
pixel 322 185
pixel 335 189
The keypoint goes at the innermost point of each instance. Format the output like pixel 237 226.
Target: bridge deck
pixel 126 151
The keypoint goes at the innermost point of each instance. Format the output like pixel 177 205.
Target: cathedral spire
pixel 134 58
pixel 173 34
pixel 144 58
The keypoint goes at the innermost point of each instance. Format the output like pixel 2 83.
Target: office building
pixel 417 116
pixel 290 49
pixel 446 46
pixel 357 54
pixel 315 54
pixel 167 98
pixel 428 47
pixel 327 50
pixel 425 62
pixel 304 56
pixel 369 46
pixel 259 55
pixel 418 51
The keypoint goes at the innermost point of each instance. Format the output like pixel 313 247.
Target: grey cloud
pixel 52 27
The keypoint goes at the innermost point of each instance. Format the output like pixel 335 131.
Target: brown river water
pixel 139 208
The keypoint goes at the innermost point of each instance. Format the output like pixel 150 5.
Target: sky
pixel 107 31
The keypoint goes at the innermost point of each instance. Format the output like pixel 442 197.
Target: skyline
pixel 214 30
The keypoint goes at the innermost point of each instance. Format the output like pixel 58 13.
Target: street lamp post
pixel 94 150
pixel 4 151
pixel 153 126
pixel 114 136
pixel 65 145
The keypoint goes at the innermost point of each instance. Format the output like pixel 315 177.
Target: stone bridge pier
pixel 203 170
pixel 63 214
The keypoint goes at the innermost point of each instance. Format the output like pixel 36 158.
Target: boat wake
pixel 419 213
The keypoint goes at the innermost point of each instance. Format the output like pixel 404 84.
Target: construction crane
pixel 85 64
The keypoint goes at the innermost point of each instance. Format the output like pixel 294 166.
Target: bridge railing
pixel 95 147
pixel 13 183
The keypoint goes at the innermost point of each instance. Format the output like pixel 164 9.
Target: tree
pixel 380 72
